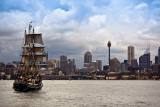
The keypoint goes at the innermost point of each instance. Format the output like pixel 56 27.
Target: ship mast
pixel 32 53
pixel 29 50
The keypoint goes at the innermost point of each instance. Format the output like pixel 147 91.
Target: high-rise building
pixel 159 55
pixel 71 66
pixel 99 64
pixel 63 63
pixel 124 66
pixel 156 59
pixel 94 64
pixel 144 62
pixel 88 57
pixel 114 65
pixel 2 66
pixel 134 63
pixel 130 54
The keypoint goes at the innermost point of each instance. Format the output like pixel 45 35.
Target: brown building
pixel 130 54
pixel 99 64
pixel 88 57
pixel 63 63
pixel 114 65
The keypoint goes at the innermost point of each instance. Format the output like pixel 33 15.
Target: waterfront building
pixel 88 57
pixel 156 68
pixel 42 65
pixel 159 55
pixel 56 63
pixel 10 70
pixel 71 66
pixel 63 63
pixel 114 65
pixel 94 64
pixel 106 67
pixel 50 65
pixel 124 66
pixel 87 65
pixel 156 59
pixel 99 64
pixel 134 63
pixel 2 67
pixel 134 66
pixel 130 54
pixel 144 62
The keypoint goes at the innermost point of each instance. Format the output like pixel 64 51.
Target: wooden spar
pixel 29 50
pixel 25 61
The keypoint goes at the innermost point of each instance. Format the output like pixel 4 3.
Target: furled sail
pixel 33 38
pixel 35 49
pixel 38 57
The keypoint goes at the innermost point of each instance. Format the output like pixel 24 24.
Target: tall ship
pixel 33 52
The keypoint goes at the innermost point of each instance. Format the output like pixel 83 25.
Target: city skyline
pixel 73 27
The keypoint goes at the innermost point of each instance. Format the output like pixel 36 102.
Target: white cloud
pixel 82 27
pixel 141 5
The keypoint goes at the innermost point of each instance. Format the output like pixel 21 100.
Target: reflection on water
pixel 84 93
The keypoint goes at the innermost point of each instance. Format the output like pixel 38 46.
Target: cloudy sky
pixel 71 27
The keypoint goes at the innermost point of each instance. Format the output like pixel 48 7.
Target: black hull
pixel 25 86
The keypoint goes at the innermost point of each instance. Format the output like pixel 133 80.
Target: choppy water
pixel 84 93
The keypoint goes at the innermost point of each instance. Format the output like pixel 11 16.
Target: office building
pixel 130 54
pixel 56 63
pixel 159 55
pixel 114 65
pixel 88 57
pixel 144 62
pixel 99 64
pixel 106 67
pixel 63 63
pixel 94 64
pixel 124 66
pixel 156 59
pixel 134 63
pixel 71 66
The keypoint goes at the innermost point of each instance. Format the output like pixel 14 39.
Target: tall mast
pixel 29 50
pixel 33 51
pixel 24 52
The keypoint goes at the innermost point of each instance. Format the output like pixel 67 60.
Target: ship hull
pixel 25 86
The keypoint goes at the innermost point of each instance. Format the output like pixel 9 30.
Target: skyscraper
pixel 63 63
pixel 88 57
pixel 144 62
pixel 156 59
pixel 159 55
pixel 130 54
pixel 71 66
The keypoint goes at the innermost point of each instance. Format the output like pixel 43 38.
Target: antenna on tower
pixel 148 49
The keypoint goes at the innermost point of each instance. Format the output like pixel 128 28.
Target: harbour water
pixel 84 93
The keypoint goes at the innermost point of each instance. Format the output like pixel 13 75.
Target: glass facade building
pixel 144 62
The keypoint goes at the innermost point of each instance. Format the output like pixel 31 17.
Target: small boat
pixel 32 54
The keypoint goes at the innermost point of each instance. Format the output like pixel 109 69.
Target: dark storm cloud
pixel 63 46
